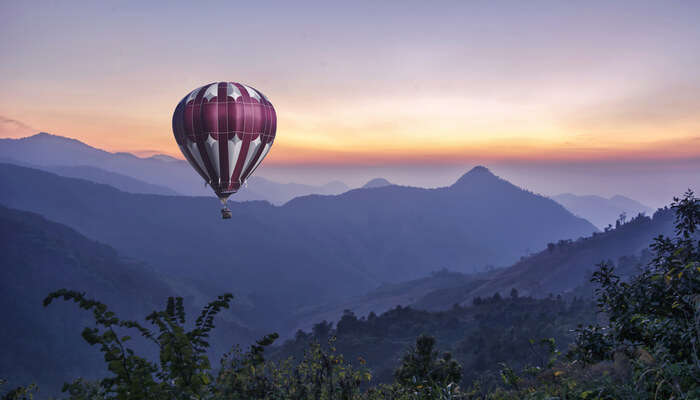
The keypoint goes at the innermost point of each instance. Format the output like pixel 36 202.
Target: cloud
pixel 12 128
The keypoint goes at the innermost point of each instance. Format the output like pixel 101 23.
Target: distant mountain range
pixel 119 181
pixel 563 267
pixel 601 211
pixel 163 174
pixel 157 174
pixel 312 249
pixel 289 266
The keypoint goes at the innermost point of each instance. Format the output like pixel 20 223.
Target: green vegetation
pixel 479 337
pixel 643 345
pixel 648 347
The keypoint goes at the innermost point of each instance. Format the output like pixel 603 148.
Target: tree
pixel 18 393
pixel 656 315
pixel 422 365
pixel 321 331
pixel 348 323
pixel 183 368
pixel 514 293
pixel 621 220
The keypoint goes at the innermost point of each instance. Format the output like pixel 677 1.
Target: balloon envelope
pixel 224 130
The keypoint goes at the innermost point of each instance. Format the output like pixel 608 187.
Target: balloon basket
pixel 225 213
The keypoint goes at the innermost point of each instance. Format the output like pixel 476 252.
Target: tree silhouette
pixel 422 365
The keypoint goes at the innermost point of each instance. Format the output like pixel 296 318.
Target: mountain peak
pixel 480 169
pixel 479 172
pixel 45 136
pixel 376 182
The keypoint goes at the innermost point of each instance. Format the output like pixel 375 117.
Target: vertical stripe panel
pixel 200 135
pixel 223 135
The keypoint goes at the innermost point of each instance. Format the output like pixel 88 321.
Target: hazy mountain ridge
pixel 48 151
pixel 476 218
pixel 39 256
pixel 375 183
pixel 418 293
pixel 44 345
pixel 326 250
pixel 312 249
pixel 563 267
pixel 280 193
pixel 97 175
pixel 599 210
pixel 180 235
pixel 119 181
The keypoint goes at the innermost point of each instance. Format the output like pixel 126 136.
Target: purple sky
pixel 592 97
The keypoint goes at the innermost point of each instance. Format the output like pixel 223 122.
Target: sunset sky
pixel 379 85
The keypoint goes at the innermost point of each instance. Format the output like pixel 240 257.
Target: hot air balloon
pixel 225 130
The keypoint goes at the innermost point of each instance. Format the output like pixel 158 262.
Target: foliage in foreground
pixel 654 320
pixel 649 349
pixel 495 329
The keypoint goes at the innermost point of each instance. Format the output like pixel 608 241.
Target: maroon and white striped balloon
pixel 224 130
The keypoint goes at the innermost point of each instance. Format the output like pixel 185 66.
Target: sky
pixel 592 97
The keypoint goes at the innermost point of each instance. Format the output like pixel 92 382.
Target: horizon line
pixel 373 159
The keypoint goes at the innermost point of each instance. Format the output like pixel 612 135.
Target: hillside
pixel 480 220
pixel 44 345
pixel 567 264
pixel 50 151
pixel 563 267
pixel 420 293
pixel 494 327
pixel 280 193
pixel 479 337
pixel 39 256
pixel 323 247
pixel 98 175
pixel 119 181
pixel 599 210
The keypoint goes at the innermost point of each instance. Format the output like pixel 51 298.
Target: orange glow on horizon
pixel 286 152
pixel 397 130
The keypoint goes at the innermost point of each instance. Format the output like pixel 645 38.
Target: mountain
pixel 375 183
pixel 48 151
pixel 119 181
pixel 428 293
pixel 478 221
pixel 567 264
pixel 599 210
pixel 97 175
pixel 314 248
pixel 258 254
pixel 38 256
pixel 564 267
pixel 44 345
pixel 280 193
pixel 380 325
